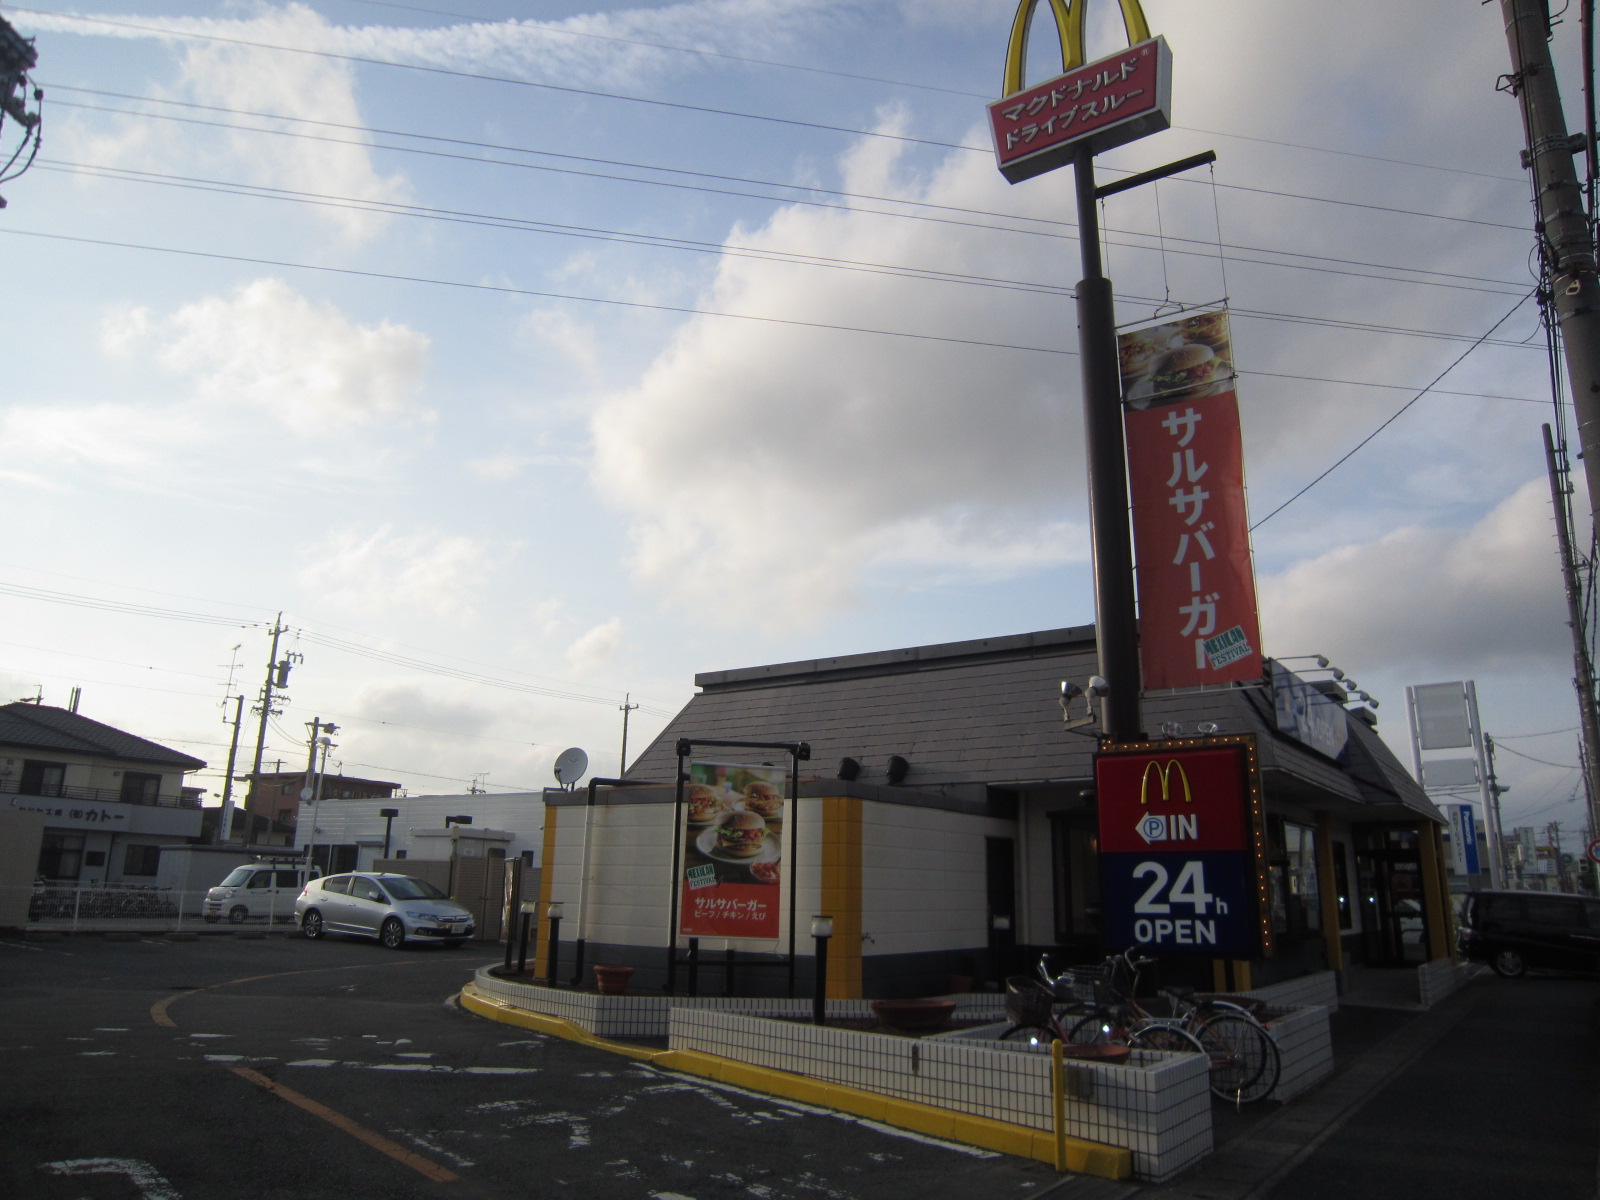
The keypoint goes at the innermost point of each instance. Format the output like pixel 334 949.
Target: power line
pixel 1392 419
pixel 720 249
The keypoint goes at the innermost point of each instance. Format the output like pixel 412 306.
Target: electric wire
pixel 1391 420
pixel 721 249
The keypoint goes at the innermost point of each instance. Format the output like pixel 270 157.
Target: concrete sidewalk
pixel 1494 1093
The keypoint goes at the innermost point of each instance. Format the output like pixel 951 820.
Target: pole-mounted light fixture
pixel 821 931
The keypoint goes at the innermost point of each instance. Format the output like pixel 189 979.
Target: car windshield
pixel 404 887
pixel 237 877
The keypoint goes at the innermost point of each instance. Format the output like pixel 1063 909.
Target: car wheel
pixel 237 914
pixel 393 934
pixel 311 924
pixel 1508 964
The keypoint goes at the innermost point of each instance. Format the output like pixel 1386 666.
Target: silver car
pixel 395 909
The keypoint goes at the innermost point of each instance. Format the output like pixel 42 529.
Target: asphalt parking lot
pixel 275 1067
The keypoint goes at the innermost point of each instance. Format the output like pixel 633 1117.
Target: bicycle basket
pixel 1081 984
pixel 1028 1002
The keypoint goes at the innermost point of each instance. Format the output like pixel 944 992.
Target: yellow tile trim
pixel 1083 1157
pixel 840 894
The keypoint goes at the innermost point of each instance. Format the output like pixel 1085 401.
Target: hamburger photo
pixel 764 800
pixel 705 804
pixel 740 836
pixel 1210 328
pixel 1187 366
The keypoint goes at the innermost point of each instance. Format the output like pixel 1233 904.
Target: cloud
pixel 227 74
pixel 1430 601
pixel 268 347
pixel 596 648
pixel 420 574
pixel 744 441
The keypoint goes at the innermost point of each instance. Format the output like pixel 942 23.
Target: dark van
pixel 1513 931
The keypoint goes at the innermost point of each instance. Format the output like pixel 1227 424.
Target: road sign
pixel 1594 851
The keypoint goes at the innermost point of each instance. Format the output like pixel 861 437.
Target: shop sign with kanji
pixel 1108 103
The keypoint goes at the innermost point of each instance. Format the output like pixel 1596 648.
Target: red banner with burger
pixel 733 855
pixel 1191 533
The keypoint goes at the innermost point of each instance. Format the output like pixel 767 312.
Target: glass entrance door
pixel 1389 869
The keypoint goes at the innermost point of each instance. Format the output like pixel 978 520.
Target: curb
pixel 1082 1157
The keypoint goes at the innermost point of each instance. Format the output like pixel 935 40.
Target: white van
pixel 261 891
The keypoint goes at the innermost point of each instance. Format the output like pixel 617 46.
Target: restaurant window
pixel 1293 893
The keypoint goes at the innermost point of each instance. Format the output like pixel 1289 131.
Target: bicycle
pixel 1031 1007
pixel 1245 1063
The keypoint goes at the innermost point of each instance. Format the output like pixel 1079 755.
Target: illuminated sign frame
pixel 1201 845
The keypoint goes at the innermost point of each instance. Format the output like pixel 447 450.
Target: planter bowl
pixel 612 980
pixel 913 1016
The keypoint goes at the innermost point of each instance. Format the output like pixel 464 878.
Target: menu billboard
pixel 1195 581
pixel 733 850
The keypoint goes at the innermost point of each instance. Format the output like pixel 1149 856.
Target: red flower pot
pixel 612 980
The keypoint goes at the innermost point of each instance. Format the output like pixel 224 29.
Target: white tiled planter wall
pixel 1305 1044
pixel 1321 988
pixel 1157 1105
pixel 1439 979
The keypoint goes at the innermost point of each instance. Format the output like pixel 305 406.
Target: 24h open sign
pixel 1177 855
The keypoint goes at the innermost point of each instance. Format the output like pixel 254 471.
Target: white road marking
pixel 141 1174
pixel 423 1068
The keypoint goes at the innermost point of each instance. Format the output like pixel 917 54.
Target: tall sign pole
pixel 1069 119
pixel 1565 243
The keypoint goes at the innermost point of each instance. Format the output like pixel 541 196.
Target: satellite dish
pixel 570 766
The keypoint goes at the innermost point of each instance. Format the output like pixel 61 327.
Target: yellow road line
pixel 377 1141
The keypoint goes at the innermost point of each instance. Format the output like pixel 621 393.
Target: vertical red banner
pixel 1191 532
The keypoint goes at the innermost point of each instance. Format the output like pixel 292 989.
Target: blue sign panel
pixel 1195 903
pixel 1308 716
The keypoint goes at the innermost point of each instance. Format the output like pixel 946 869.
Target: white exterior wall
pixel 924 878
pixel 419 829
pixel 631 869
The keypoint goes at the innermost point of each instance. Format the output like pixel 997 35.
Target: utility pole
pixel 233 756
pixel 1499 875
pixel 1566 245
pixel 1583 667
pixel 626 709
pixel 277 679
pixel 311 790
pixel 17 58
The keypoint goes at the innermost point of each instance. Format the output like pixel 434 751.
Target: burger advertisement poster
pixel 1191 534
pixel 733 850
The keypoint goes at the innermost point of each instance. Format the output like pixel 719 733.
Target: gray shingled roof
pixel 985 713
pixel 37 727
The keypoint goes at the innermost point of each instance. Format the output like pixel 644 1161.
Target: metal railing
pixel 93 795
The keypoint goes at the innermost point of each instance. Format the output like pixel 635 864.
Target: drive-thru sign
pixel 1181 842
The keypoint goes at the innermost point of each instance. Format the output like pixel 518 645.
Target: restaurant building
pixel 946 818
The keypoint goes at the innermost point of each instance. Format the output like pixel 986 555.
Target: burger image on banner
pixel 742 835
pixel 763 799
pixel 1191 356
pixel 705 803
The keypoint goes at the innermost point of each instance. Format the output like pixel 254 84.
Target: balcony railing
pixel 92 795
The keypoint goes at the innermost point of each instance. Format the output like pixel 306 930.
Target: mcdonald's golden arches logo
pixel 1069 29
pixel 1164 774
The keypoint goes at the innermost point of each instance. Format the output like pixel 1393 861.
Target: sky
pixel 529 359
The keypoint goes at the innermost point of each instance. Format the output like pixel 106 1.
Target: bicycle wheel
pixel 1095 1029
pixel 1245 1063
pixel 1167 1038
